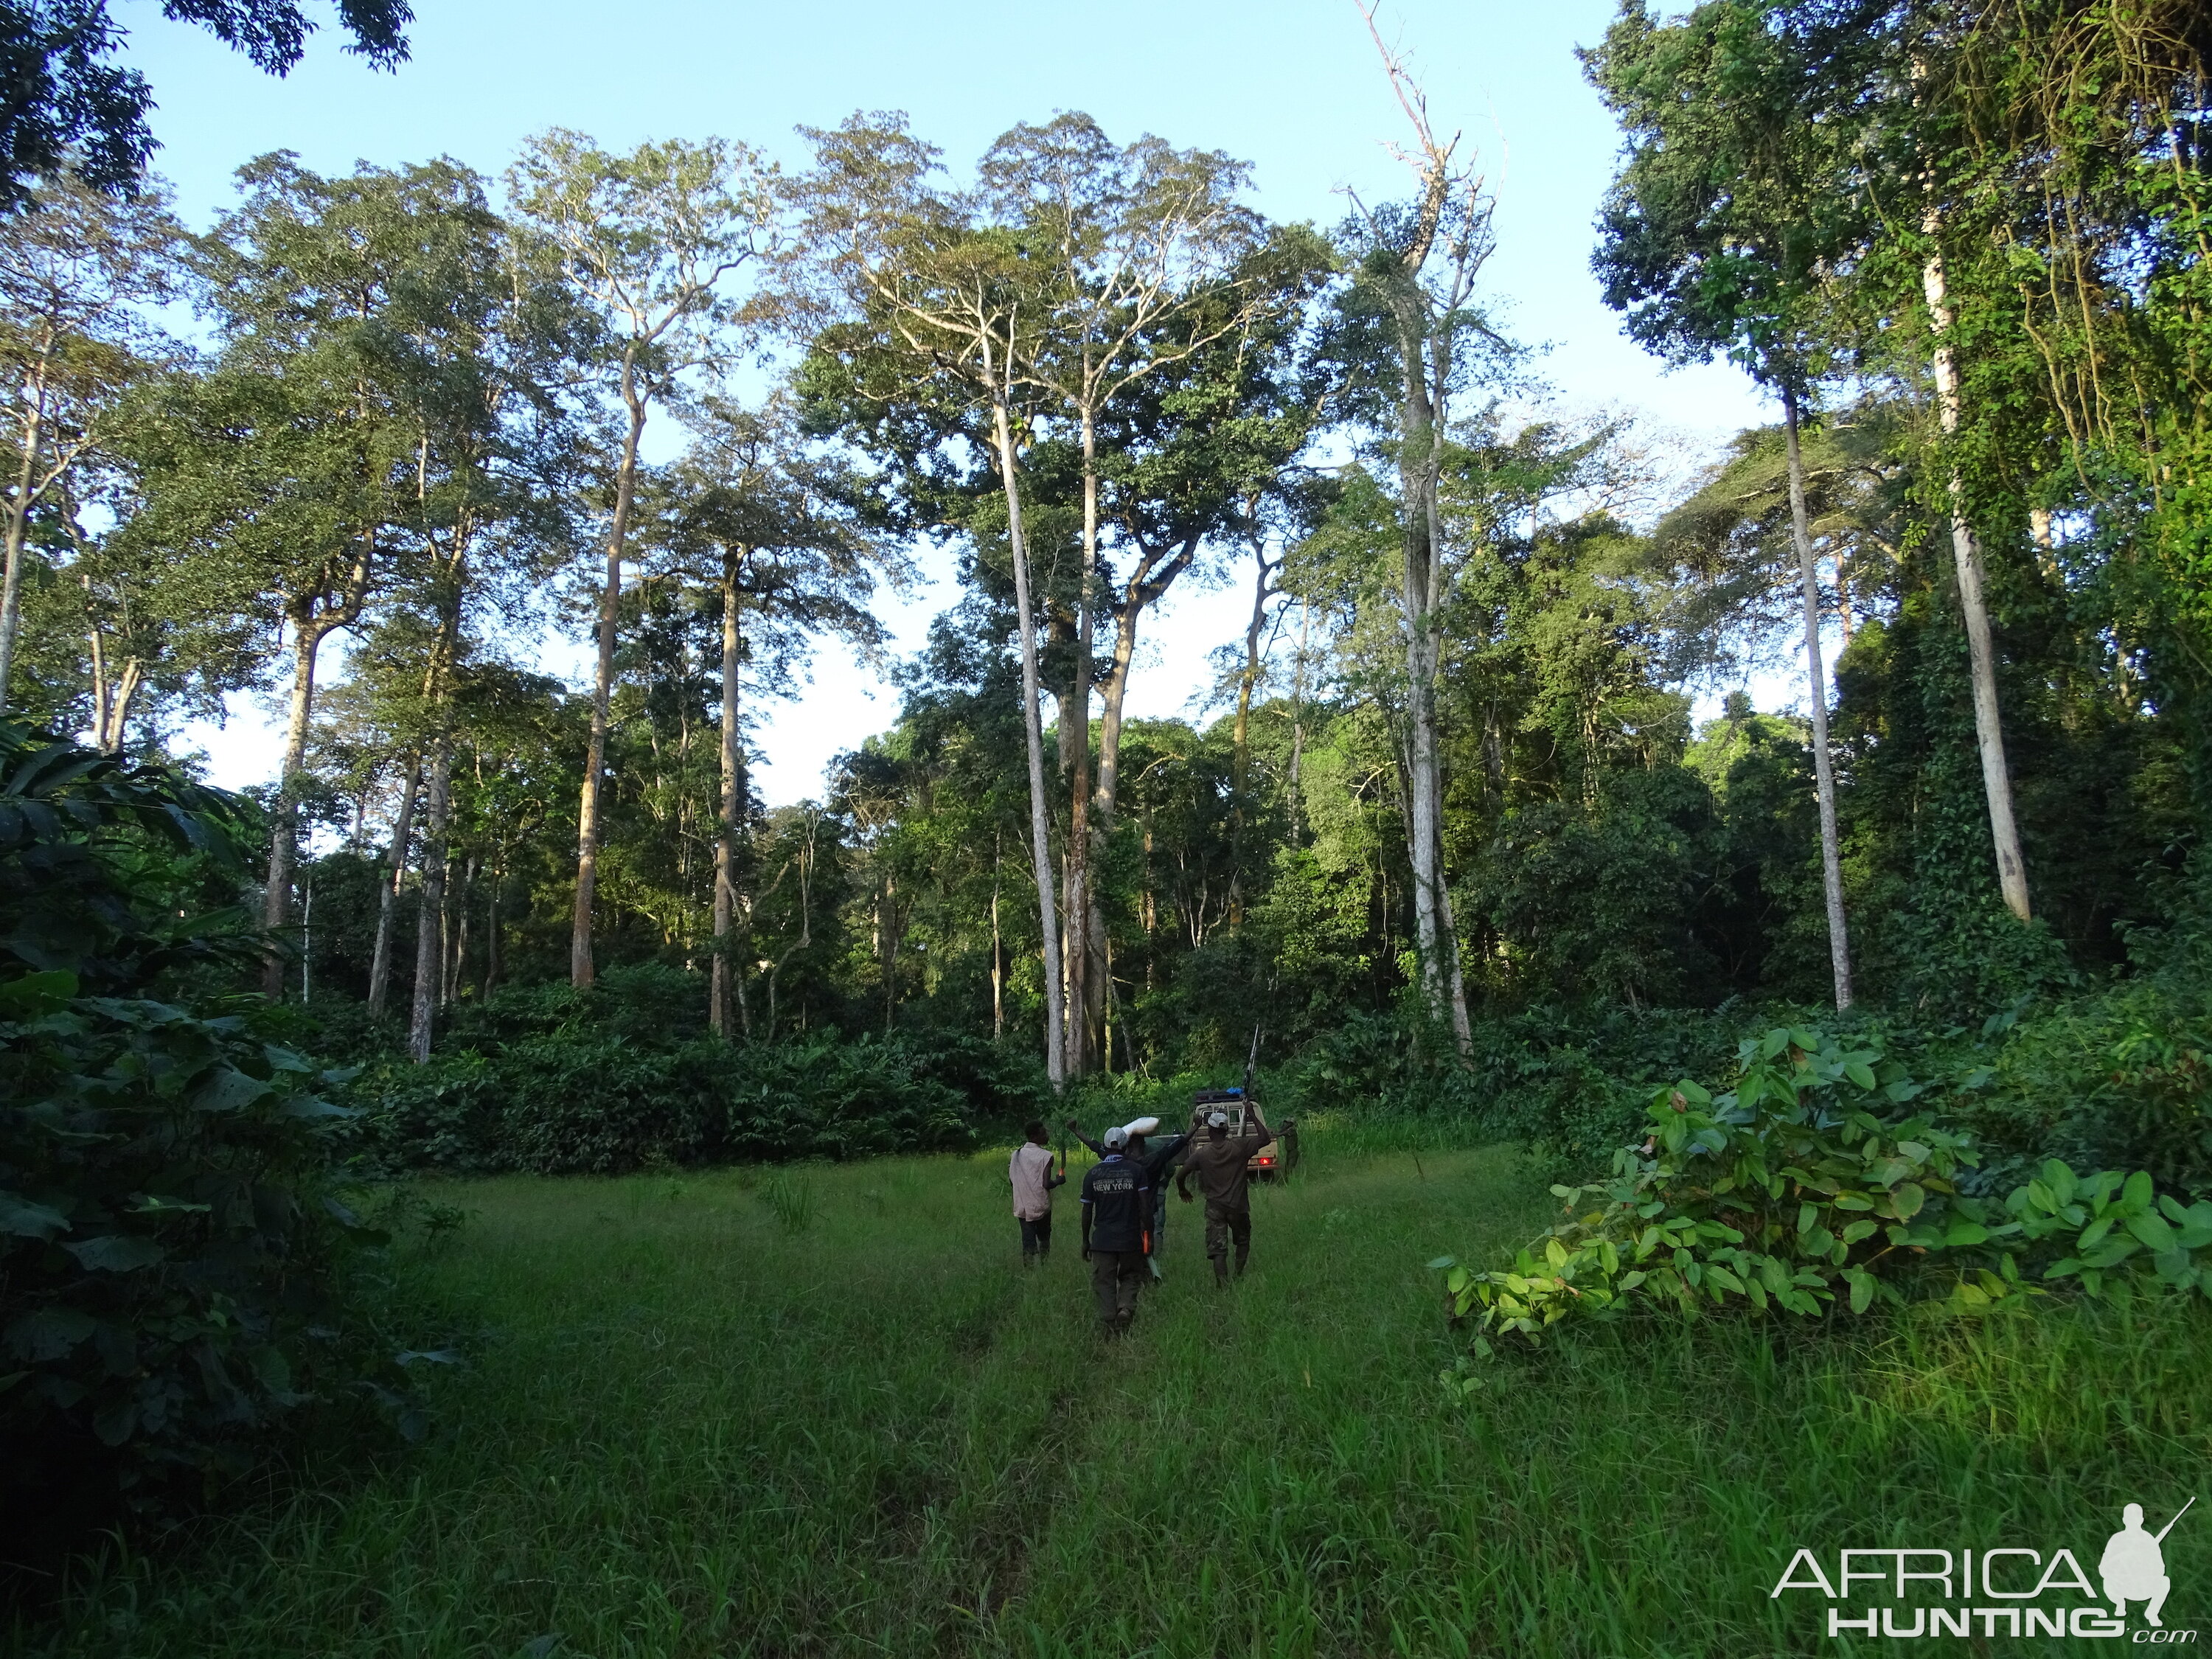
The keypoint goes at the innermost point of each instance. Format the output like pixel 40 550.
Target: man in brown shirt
pixel 1219 1160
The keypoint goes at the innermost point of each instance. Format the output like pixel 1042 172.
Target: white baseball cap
pixel 1217 1119
pixel 1117 1139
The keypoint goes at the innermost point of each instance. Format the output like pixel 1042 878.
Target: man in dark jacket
pixel 1157 1153
pixel 1219 1159
pixel 1117 1203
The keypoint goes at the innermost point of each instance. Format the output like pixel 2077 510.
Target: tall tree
pixel 289 464
pixel 779 535
pixel 651 240
pixel 1147 250
pixel 1712 239
pixel 78 271
pixel 1419 263
pixel 907 282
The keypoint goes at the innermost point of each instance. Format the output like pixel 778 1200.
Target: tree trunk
pixel 283 838
pixel 1832 866
pixel 1966 555
pixel 430 913
pixel 720 1000
pixel 498 873
pixel 19 522
pixel 1298 714
pixel 380 967
pixel 1152 580
pixel 1033 731
pixel 1417 439
pixel 457 957
pixel 587 813
pixel 1085 991
pixel 998 963
pixel 1240 764
pixel 892 931
pixel 111 700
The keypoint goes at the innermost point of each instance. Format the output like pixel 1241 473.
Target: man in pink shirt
pixel 1031 1171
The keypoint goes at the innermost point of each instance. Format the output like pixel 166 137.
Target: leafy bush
pixel 1802 1186
pixel 174 1253
pixel 580 1100
pixel 2118 1079
pixel 179 1279
pixel 1568 1082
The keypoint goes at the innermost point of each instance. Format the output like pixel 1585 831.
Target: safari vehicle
pixel 1279 1157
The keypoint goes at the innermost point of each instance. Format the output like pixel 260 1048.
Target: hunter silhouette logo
pixel 1908 1593
pixel 2134 1567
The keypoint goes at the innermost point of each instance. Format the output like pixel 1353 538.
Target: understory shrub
pixel 1571 1083
pixel 1813 1183
pixel 582 1101
pixel 183 1291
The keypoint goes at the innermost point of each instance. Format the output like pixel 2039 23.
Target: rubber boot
pixel 1220 1272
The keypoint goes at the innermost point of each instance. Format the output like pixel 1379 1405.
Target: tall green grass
pixel 689 1426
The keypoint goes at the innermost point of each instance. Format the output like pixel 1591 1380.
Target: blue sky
pixel 1292 86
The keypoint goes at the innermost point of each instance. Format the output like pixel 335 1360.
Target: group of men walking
pixel 1124 1199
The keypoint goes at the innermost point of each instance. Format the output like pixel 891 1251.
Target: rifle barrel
pixel 2178 1514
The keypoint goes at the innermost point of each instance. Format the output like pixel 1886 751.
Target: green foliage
pixel 623 1076
pixel 177 1260
pixel 1804 1189
pixel 1568 1082
pixel 180 1281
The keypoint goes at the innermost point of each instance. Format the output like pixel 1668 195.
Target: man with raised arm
pixel 1219 1159
pixel 1157 1153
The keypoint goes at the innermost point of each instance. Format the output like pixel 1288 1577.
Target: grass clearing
pixel 822 1410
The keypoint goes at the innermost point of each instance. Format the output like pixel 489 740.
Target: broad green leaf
pixel 2112 1252
pixel 20 1217
pixel 314 1106
pixel 1859 1072
pixel 117 1253
pixel 1908 1199
pixel 37 994
pixel 1861 1283
pixel 113 1425
pixel 48 1333
pixel 229 1089
pixel 2153 1231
